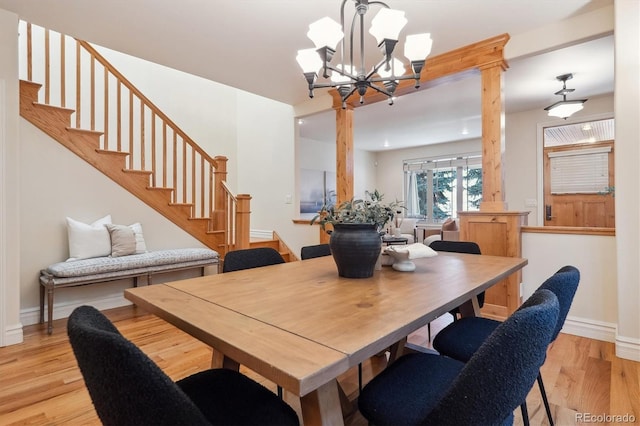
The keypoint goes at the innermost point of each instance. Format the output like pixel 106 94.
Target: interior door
pixel 593 209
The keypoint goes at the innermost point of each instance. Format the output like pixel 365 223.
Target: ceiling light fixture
pixel 564 108
pixel 349 78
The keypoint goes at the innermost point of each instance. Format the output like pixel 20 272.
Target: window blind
pixel 580 171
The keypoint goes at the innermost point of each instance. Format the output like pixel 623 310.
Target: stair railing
pixel 75 75
pixel 236 219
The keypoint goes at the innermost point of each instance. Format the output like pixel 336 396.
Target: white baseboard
pixel 13 335
pixel 261 234
pixel 626 348
pixel 584 327
pixel 32 315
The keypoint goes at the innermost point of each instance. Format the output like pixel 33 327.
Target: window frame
pixel 454 160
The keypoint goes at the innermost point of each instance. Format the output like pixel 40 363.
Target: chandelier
pixel 564 108
pixel 349 77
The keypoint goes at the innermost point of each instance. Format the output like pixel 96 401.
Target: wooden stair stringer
pixel 55 122
pixel 275 243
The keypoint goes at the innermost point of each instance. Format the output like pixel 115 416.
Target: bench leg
pixel 41 303
pixel 50 309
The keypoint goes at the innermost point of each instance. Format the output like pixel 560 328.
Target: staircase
pixel 110 124
pixel 55 121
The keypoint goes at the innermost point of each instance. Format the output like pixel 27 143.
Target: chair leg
pixel 359 378
pixel 544 399
pixel 280 391
pixel 525 414
pixel 429 331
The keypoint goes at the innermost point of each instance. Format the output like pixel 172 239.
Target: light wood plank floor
pixel 40 383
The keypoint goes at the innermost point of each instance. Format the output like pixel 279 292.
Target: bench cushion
pixel 153 260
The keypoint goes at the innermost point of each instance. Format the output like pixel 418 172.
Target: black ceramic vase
pixel 355 247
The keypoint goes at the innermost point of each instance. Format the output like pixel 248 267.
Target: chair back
pixel 319 250
pixel 456 246
pixel 251 258
pixel 459 247
pixel 126 387
pixel 498 377
pixel 564 285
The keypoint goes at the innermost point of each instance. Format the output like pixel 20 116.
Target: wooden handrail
pixel 106 101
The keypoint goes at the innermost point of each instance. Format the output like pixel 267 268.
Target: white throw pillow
pixel 86 241
pixel 141 246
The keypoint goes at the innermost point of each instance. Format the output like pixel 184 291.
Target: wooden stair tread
pixel 87 131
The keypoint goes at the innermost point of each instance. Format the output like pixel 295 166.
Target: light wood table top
pixel 300 325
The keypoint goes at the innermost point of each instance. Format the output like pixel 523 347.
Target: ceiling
pixel 252 44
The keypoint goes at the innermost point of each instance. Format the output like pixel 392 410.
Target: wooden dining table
pixel 300 325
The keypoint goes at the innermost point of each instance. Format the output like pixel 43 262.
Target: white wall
pixel 594 309
pixel 10 326
pixel 627 107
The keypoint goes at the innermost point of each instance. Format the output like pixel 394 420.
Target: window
pixel 437 188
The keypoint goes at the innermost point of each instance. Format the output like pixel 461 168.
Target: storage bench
pixel 103 269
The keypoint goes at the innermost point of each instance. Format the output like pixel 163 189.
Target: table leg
pixel 470 308
pixel 396 350
pixel 219 360
pixel 322 406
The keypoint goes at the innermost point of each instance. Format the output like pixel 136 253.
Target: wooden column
pixel 492 138
pixel 497 234
pixel 496 230
pixel 344 154
pixel 344 159
pixel 243 221
pixel 219 194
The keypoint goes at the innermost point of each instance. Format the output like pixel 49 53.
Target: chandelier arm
pixel 342 72
pixel 353 22
pixel 362 70
pixel 342 25
pixel 375 70
pixel 380 89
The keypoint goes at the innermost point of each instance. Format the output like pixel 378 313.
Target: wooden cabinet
pixel 499 234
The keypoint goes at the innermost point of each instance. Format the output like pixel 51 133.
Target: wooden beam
pixel 449 66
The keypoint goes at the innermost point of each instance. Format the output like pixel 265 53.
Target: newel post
pixel 219 194
pixel 243 221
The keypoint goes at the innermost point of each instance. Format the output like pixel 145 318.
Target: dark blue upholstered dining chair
pixel 430 389
pixel 460 340
pixel 456 247
pixel 128 388
pixel 318 250
pixel 251 258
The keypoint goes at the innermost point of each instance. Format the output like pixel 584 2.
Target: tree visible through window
pixel 437 189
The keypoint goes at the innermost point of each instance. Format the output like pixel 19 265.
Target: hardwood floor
pixel 40 383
